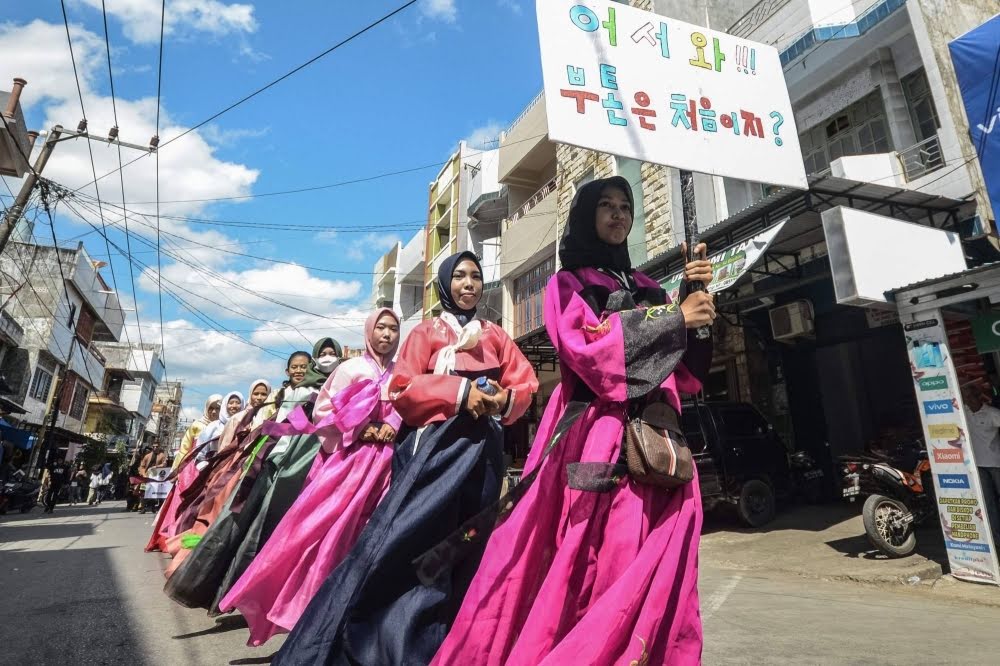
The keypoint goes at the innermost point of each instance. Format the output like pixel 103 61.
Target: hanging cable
pixel 156 141
pixel 90 151
pixel 121 177
pixel 263 88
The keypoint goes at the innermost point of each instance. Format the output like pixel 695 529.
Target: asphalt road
pixel 77 588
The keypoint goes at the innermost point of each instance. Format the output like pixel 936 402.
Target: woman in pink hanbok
pixel 348 479
pixel 583 572
pixel 186 472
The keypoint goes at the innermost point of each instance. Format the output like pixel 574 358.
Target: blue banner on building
pixel 976 56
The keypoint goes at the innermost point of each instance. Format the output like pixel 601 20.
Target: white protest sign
pixel 633 83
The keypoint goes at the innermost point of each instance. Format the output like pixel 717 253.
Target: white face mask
pixel 327 363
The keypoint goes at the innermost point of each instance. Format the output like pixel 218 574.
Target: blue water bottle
pixel 483 384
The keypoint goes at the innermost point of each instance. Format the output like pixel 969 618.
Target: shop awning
pixel 22 439
pixel 802 209
pixel 10 407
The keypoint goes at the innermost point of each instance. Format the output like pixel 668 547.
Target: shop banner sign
pixel 628 82
pixel 976 59
pixel 986 329
pixel 731 264
pixel 970 548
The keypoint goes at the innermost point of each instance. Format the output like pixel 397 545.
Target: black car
pixel 740 459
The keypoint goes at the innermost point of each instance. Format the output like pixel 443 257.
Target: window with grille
pixel 528 295
pixel 923 113
pixel 79 404
pixel 41 383
pixel 860 129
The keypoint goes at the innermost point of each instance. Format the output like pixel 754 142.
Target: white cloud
pixel 229 137
pixel 360 247
pixel 442 10
pixel 140 19
pixel 481 136
pixel 289 285
pixel 514 6
pixel 188 170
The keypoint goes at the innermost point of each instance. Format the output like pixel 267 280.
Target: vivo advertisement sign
pixel 977 65
pixel 938 407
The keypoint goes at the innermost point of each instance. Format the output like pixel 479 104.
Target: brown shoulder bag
pixel 655 449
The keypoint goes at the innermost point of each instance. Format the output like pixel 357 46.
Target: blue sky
pixel 398 97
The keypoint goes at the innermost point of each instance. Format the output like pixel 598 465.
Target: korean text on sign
pixel 636 84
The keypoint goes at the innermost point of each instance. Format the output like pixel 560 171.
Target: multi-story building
pixel 65 309
pixel 398 281
pixel 529 231
pixel 11 335
pixel 487 208
pixel 447 228
pixel 165 417
pixel 881 129
pixel 121 410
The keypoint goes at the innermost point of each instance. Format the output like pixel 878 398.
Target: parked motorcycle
pixel 19 494
pixel 897 501
pixel 807 478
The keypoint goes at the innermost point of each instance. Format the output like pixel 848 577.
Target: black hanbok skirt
pixel 374 609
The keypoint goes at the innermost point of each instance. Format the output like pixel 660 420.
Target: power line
pixel 211 323
pixel 121 176
pixel 256 92
pixel 286 262
pixel 90 150
pixel 213 275
pixel 156 140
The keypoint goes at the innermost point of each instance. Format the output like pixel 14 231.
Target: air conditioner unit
pixel 794 320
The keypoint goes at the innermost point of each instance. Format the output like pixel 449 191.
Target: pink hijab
pixel 370 323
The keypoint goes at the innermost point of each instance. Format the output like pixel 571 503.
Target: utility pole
pixel 14 213
pixel 56 135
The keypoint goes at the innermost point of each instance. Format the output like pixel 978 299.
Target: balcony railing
pixel 533 201
pixel 531 105
pixel 921 159
pixel 754 18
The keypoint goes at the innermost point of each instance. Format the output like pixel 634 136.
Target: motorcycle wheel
pixel 877 514
pixel 27 507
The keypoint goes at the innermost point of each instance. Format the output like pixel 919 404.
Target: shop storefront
pixel 831 378
pixel 951 334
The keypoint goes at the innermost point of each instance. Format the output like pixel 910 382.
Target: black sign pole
pixel 691 236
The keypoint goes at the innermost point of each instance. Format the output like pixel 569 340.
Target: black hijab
pixel 580 246
pixel 443 285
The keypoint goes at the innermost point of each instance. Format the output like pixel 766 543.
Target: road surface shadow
pixel 798 517
pixel 222 625
pixel 11 532
pixel 930 545
pixel 65 607
pixel 254 660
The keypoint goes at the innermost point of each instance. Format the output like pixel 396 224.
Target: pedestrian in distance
pixel 984 431
pixel 53 480
pixel 104 486
pixel 77 484
pixel 95 485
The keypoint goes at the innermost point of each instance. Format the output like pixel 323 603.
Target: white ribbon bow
pixel 468 337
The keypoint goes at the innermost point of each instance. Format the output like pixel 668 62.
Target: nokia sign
pixel 954 481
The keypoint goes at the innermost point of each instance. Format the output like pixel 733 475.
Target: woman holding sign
pixel 597 564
